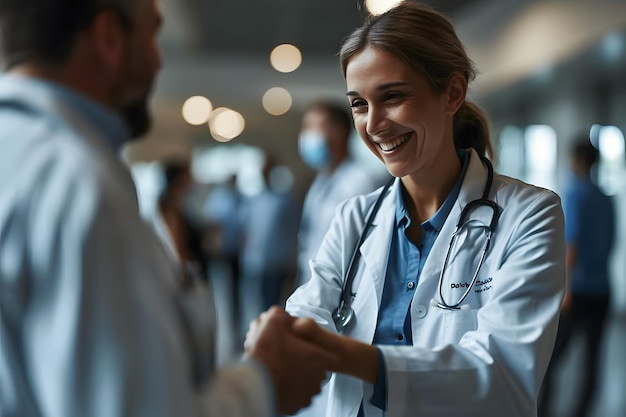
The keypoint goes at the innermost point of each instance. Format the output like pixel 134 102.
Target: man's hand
pixel 353 358
pixel 298 367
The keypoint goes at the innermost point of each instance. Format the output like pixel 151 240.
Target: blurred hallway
pixel 610 400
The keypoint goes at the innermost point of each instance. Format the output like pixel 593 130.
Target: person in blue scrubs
pixel 589 233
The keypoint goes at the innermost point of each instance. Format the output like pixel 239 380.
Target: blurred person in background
pixel 270 228
pixel 590 235
pixel 323 146
pixel 222 212
pixel 445 284
pixel 182 236
pixel 94 317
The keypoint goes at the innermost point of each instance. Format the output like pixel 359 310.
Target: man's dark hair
pixel 45 31
pixel 337 114
pixel 585 152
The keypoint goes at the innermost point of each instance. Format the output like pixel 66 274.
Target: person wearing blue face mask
pixel 313 149
pixel 323 146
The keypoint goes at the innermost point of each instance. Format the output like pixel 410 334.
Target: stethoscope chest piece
pixel 342 316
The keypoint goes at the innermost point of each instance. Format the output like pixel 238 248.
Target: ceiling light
pixel 226 124
pixel 285 58
pixel 197 110
pixel 277 101
pixel 380 6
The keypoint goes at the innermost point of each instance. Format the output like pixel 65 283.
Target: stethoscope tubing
pixel 343 314
pixel 456 306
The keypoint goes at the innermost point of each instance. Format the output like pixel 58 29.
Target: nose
pixel 377 120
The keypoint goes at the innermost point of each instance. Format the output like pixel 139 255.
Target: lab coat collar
pixel 54 100
pixel 473 184
pixel 379 240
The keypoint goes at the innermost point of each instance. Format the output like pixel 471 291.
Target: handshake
pixel 298 354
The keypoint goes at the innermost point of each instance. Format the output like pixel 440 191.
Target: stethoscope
pixel 344 314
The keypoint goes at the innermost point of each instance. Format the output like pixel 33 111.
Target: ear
pixel 108 39
pixel 455 93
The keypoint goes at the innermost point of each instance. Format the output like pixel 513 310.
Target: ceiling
pixel 220 49
pixel 249 27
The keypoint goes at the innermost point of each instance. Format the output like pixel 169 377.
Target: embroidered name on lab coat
pixel 483 284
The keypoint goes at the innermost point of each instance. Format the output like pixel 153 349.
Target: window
pixel 609 140
pixel 510 152
pixel 540 150
pixel 216 164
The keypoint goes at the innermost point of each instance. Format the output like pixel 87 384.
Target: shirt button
pixel 420 311
pixel 399 336
pixel 410 285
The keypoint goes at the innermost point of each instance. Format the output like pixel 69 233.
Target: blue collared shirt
pixel 39 94
pixel 406 262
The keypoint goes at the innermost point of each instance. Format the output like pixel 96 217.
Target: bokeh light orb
pixel 226 124
pixel 197 110
pixel 277 101
pixel 286 58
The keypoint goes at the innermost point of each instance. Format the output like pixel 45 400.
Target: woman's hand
pixel 353 357
pixel 297 366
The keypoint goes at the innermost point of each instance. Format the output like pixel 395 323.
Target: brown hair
pixel 337 113
pixel 426 40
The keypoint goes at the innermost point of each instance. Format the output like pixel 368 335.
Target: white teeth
pixel 394 143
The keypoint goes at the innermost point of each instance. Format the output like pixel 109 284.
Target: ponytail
pixel 471 130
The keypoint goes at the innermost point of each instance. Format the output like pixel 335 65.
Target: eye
pixel 393 95
pixel 358 104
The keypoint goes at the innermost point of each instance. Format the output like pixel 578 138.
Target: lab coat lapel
pixel 375 249
pixel 472 189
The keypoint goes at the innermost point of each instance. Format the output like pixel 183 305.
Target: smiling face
pixel 399 116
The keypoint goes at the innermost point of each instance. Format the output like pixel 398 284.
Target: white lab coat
pixel 488 361
pixel 93 319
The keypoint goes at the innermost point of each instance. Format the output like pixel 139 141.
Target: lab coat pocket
pixel 459 322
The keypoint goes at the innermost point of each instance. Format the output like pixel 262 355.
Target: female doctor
pixel 451 304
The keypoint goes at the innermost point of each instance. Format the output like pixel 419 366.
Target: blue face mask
pixel 313 149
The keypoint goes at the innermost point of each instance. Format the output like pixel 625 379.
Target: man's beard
pixel 137 117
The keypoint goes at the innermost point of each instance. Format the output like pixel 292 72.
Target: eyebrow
pixel 382 87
